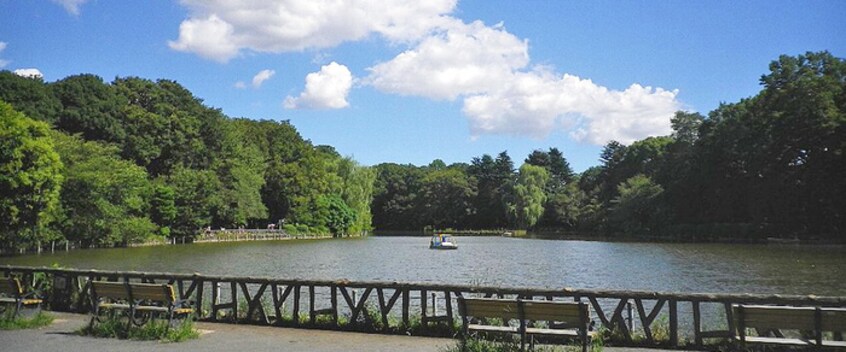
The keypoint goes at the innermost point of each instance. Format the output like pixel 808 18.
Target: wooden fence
pixel 396 307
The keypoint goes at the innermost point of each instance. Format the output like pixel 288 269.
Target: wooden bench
pixel 768 321
pixel 12 293
pixel 140 301
pixel 566 319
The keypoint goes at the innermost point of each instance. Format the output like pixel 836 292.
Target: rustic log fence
pixel 425 308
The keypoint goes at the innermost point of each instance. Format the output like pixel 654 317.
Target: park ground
pixel 61 336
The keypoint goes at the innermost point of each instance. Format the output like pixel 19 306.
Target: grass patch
pixel 153 330
pixel 507 345
pixel 10 322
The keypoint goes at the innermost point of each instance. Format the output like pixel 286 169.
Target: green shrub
pixel 114 327
pixel 10 322
pixel 508 345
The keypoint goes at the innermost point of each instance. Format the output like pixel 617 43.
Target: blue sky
pixel 411 81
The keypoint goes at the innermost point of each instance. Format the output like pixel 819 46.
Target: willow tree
pixel 527 197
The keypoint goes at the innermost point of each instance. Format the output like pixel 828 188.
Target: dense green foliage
pixel 136 160
pixel 769 165
pixel 30 176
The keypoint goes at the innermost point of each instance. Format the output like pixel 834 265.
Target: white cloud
pixel 537 103
pixel 3 63
pixel 220 29
pixel 240 85
pixel 71 6
pixel 456 60
pixel 211 38
pixel 444 59
pixel 29 73
pixel 326 89
pixel 488 68
pixel 262 76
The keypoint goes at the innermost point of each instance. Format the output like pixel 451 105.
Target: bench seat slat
pixel 26 301
pixel 832 343
pixel 778 341
pixel 183 310
pixel 151 309
pixel 553 332
pixel 493 328
pixel 113 306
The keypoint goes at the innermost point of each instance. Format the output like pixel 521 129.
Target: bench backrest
pixel 795 318
pixel 773 317
pixel 573 314
pixel 490 308
pixel 834 319
pixel 135 291
pixel 570 314
pixel 11 286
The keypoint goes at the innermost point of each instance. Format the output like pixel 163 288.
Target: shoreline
pixel 612 238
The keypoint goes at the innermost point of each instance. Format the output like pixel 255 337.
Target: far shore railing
pixel 640 318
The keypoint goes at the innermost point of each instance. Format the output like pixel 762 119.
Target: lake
pixel 499 261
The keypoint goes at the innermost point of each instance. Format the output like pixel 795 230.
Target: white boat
pixel 442 241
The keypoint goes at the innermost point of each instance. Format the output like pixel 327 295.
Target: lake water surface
pixel 500 261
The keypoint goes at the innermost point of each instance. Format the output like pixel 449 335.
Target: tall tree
pixel 357 192
pixel 30 177
pixel 447 198
pixel 90 107
pixel 30 96
pixel 560 175
pixel 491 182
pixel 105 199
pixel 527 197
pixel 396 197
pixel 197 201
pixel 636 209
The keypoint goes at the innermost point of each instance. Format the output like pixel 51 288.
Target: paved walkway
pixel 225 338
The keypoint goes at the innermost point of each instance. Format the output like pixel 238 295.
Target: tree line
pixel 134 160
pixel 113 163
pixel 772 165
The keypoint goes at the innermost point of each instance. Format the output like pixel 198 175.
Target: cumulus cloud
pixel 262 76
pixel 29 73
pixel 538 102
pixel 220 29
pixel 211 38
pixel 444 58
pixel 3 63
pixel 71 6
pixel 458 59
pixel 326 89
pixel 489 68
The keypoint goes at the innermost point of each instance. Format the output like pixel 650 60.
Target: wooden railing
pixel 394 307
